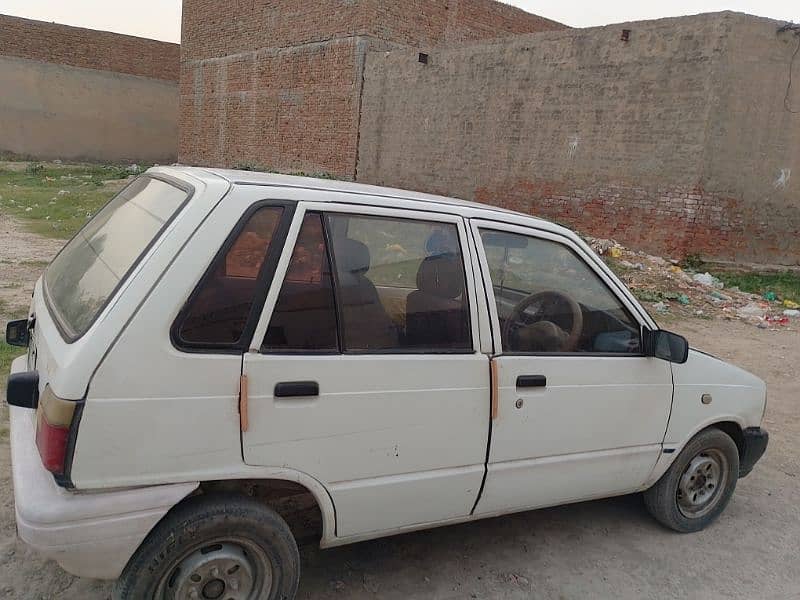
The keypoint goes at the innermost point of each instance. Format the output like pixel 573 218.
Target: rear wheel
pixel 698 486
pixel 215 547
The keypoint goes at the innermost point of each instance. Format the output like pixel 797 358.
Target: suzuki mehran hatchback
pixel 221 363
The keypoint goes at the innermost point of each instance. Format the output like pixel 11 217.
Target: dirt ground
pixel 603 549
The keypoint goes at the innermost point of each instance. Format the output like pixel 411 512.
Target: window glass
pixel 94 263
pixel 304 318
pixel 400 284
pixel 219 310
pixel 550 300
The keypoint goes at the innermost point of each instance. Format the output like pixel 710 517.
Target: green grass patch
pixel 34 263
pixel 7 354
pixel 56 200
pixel 786 285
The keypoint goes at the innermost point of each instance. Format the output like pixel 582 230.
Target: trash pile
pixel 667 289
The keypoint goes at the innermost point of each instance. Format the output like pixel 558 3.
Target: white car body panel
pixel 374 434
pixel 393 443
pixel 568 440
pixel 93 534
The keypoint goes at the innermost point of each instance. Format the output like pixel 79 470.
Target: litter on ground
pixel 667 289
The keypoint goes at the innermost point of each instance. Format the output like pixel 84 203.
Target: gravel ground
pixel 603 549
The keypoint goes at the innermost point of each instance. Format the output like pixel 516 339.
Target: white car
pixel 223 362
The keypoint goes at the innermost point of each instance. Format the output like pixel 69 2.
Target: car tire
pixel 698 485
pixel 209 545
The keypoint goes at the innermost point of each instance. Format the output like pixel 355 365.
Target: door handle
pixel 530 381
pixel 296 389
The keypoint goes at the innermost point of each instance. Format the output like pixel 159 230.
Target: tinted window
pixel 550 300
pixel 400 284
pixel 220 308
pixel 82 278
pixel 304 318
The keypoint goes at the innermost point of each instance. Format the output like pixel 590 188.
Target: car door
pixel 364 372
pixel 579 411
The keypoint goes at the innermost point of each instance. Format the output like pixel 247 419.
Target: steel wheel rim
pixel 221 569
pixel 702 483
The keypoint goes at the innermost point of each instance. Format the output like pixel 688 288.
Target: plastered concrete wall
pixel 277 83
pixel 57 111
pixel 675 141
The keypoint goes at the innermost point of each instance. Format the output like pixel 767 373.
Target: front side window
pixel 549 300
pixel 400 285
pixel 219 309
pixel 86 273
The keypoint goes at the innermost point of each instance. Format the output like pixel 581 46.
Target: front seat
pixel 367 325
pixel 436 316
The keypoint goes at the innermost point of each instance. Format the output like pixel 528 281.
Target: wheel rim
pixel 218 570
pixel 702 483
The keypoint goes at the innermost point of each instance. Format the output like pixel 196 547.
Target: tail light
pixel 54 418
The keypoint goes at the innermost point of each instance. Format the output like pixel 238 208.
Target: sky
pixel 160 19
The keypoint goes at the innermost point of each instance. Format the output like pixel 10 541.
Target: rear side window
pixel 364 284
pixel 219 309
pixel 304 318
pixel 87 272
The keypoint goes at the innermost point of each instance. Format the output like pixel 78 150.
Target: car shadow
pixel 477 559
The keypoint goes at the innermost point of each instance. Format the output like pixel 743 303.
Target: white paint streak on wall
pixel 572 146
pixel 782 182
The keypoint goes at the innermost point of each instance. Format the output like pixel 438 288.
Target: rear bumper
pixel 88 534
pixel 755 444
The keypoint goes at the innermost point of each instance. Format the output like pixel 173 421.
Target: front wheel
pixel 698 486
pixel 215 547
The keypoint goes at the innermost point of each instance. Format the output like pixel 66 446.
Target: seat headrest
pixel 352 256
pixel 441 276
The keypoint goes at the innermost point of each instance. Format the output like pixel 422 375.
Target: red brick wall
pixel 216 28
pixel 291 109
pixel 673 221
pixel 277 83
pixel 90 49
pixel 444 22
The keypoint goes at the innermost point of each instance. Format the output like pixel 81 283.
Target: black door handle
pixel 529 381
pixel 293 389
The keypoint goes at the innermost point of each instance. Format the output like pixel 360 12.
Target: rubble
pixel 667 289
pixel 708 279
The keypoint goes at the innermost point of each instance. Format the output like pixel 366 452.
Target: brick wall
pixel 277 83
pixel 676 141
pixel 291 109
pixel 86 48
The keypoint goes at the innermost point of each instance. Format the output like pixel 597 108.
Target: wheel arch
pixel 730 424
pixel 267 482
pixel 734 430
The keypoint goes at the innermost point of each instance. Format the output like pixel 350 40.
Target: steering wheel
pixel 544 303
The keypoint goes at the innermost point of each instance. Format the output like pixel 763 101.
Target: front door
pixel 581 413
pixel 364 372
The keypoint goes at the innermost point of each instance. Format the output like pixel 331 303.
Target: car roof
pixel 363 192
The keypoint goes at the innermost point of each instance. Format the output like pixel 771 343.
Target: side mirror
pixel 666 346
pixel 17 333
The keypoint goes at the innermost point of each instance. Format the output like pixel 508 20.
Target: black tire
pixel 673 500
pixel 216 527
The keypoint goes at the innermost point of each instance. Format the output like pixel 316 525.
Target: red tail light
pixel 53 420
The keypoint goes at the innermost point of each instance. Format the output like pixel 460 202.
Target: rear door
pixel 364 371
pixel 580 412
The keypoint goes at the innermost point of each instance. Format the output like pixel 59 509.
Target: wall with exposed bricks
pixel 675 141
pixel 277 83
pixel 73 93
pixel 89 49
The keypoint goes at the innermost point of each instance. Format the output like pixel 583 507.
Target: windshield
pixel 90 268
